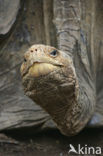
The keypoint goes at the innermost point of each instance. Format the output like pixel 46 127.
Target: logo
pixel 84 150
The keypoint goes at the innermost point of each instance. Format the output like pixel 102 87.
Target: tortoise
pixel 50 78
pixel 75 28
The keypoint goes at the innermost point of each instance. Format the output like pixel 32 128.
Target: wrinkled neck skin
pixel 64 97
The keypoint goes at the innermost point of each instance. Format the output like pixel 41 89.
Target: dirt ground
pixel 49 143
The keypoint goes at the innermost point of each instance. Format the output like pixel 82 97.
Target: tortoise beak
pixel 40 69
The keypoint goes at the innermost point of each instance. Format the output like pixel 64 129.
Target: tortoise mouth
pixel 40 69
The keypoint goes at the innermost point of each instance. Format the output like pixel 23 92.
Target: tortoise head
pixel 41 60
pixel 45 68
pixel 49 79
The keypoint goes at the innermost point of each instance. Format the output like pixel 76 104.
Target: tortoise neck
pixel 79 113
pixel 72 115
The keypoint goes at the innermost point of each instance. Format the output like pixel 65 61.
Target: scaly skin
pixel 49 79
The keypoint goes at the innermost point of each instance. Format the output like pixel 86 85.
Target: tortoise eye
pixel 53 53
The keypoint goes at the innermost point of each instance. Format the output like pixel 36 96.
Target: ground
pixel 49 143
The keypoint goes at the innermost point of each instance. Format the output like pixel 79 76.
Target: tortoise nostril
pixel 31 51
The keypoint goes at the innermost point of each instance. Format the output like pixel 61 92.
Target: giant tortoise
pixel 52 81
pixel 66 81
